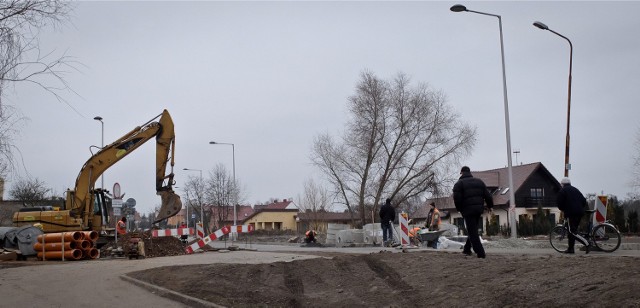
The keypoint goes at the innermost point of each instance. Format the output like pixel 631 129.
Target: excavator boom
pixel 79 212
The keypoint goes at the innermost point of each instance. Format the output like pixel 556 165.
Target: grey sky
pixel 269 76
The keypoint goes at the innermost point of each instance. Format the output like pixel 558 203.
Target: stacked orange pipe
pixel 73 254
pixel 55 246
pixel 67 245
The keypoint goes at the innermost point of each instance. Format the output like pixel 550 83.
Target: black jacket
pixel 571 201
pixel 470 195
pixel 387 213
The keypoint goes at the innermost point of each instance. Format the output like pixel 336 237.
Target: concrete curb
pixel 189 301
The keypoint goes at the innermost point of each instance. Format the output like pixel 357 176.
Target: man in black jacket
pixel 469 196
pixel 387 215
pixel 572 203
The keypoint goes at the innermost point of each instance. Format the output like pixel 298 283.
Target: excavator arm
pixel 81 203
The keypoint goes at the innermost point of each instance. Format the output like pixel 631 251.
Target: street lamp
pixel 99 118
pixel 233 149
pixel 512 199
pixel 201 206
pixel 567 166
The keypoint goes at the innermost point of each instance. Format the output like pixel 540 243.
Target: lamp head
pixel 98 118
pixel 185 168
pixel 212 142
pixel 458 8
pixel 541 25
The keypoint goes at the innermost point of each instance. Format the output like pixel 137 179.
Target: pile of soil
pixel 415 279
pixel 153 246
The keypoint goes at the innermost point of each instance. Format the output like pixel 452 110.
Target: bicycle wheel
pixel 606 237
pixel 559 238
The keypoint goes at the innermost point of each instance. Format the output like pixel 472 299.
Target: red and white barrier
pixel 199 230
pixel 172 232
pixel 403 218
pixel 215 235
pixel 601 209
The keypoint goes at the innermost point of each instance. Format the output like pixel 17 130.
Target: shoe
pixel 569 251
pixel 587 250
pixel 468 253
pixel 482 256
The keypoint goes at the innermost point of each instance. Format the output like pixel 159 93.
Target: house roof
pixel 497 180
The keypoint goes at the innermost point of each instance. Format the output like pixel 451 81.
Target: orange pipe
pixel 90 235
pixel 84 244
pixel 74 254
pixel 57 237
pixel 54 246
pixel 91 253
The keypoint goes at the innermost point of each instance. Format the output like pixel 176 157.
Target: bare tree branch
pixel 400 143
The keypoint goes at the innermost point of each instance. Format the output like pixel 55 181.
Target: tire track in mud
pixel 294 284
pixel 388 275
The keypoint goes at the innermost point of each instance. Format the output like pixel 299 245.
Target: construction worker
pixel 121 226
pixel 433 219
pixel 310 236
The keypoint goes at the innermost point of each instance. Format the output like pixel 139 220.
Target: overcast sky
pixel 269 76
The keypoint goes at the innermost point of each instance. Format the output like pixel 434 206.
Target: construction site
pixel 255 271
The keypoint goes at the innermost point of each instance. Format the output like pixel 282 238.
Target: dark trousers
pixel 387 233
pixel 473 238
pixel 574 222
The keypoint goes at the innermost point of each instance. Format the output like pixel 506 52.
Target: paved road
pixel 98 283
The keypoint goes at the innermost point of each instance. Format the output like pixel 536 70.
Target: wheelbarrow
pixel 430 238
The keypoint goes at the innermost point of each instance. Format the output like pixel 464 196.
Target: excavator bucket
pixel 171 205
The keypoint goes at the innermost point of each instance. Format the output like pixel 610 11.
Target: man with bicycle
pixel 573 204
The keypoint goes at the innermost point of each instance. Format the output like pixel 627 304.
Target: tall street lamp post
pixel 201 206
pixel 233 149
pixel 567 165
pixel 512 199
pixel 99 118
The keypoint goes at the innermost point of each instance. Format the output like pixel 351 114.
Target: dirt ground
pixel 414 279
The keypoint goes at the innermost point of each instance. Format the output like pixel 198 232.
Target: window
pixel 537 193
pixel 504 191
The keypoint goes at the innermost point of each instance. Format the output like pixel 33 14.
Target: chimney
pixel 1 189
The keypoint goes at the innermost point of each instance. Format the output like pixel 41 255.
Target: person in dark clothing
pixel 387 215
pixel 469 196
pixel 572 203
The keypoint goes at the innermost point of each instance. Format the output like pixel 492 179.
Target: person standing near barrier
pixel 572 203
pixel 121 225
pixel 387 215
pixel 433 218
pixel 469 196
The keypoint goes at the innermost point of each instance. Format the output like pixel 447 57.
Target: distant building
pixel 534 186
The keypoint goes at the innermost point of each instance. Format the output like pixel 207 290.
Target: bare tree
pixel 29 191
pixel 21 60
pixel 222 193
pixel 315 202
pixel 194 190
pixel 399 141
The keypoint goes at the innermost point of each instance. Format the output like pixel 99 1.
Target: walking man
pixel 572 203
pixel 387 215
pixel 469 196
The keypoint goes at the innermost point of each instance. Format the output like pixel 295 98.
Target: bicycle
pixel 603 236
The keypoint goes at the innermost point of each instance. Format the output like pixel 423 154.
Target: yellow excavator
pixel 85 208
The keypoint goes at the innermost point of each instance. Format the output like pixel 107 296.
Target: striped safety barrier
pixel 172 232
pixel 601 209
pixel 403 218
pixel 215 235
pixel 199 230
